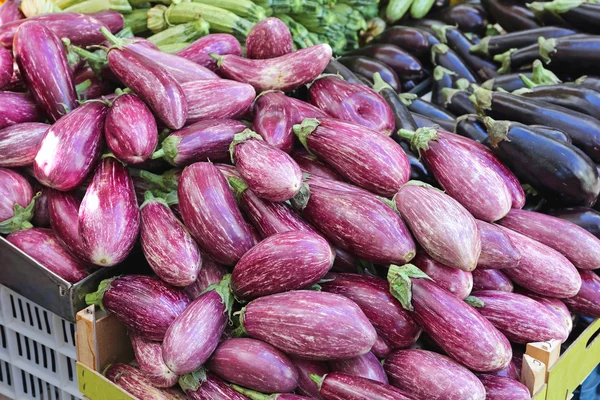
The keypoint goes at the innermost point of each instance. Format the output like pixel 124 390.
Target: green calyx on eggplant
pixel 399 278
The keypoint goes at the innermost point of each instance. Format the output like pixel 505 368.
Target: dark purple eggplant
pixel 587 218
pixel 10 11
pixel 492 45
pixel 365 366
pixel 307 386
pixel 269 38
pixel 215 43
pixel 508 82
pixel 428 109
pixel 511 17
pixel 430 122
pixel 491 279
pixel 471 126
pixel 553 133
pixel 467 17
pixel 502 388
pixel 446 57
pixel 337 68
pixel 573 97
pixel 497 250
pixel 138 384
pixel 442 78
pixel 17 108
pixel 19 143
pixel 149 357
pixel 457 101
pixel 582 16
pixel 589 82
pixel 407 38
pixel 587 300
pixel 366 67
pixel 454 280
pixel 403 63
pixel 563 53
pixel 341 386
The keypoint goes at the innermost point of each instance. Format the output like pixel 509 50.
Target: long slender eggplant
pixel 6 67
pixel 64 210
pixel 586 301
pixel 307 386
pixel 446 57
pixel 366 67
pixel 472 127
pixel 138 384
pixel 454 280
pixel 589 82
pixel 337 68
pixel 582 15
pixel 309 164
pixel 10 11
pixel 497 250
pixel 553 133
pixel 428 109
pixel 19 143
pixel 216 43
pixel 17 108
pixel 341 386
pixel 269 38
pixel 431 122
pixel 406 38
pixel 502 387
pixel 149 357
pixel 365 366
pixel 557 306
pixel 491 279
pixel 562 53
pixel 511 17
pixel 457 101
pixel 586 218
pixel 467 17
pixel 274 120
pixel 574 97
pixel 442 78
pixel 508 82
pixel 492 45
pixel 402 62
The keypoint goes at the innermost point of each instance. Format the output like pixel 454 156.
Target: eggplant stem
pixel 399 278
pixel 542 76
pixel 95 298
pixel 447 94
pixel 304 129
pixel 482 47
pixel 439 72
pixel 118 43
pixel 474 302
pixel 237 185
pixel 497 130
pixel 317 379
pixel 21 217
pixel 240 138
pixel 254 395
pixel 300 200
pixel 505 60
pixel 547 47
pixel 157 154
pixel 194 380
pixel 379 84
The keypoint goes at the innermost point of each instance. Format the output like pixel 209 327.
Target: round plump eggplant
pixel 269 38
pixel 274 120
pixel 16 201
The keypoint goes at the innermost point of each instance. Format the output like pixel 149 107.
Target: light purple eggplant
pixel 17 202
pixel 202 141
pixel 130 129
pixel 10 11
pixel 254 364
pixel 41 245
pixel 340 186
pixel 365 157
pixel 503 388
pixel 305 110
pixel 269 172
pixel 53 89
pixel 6 67
pixel 138 384
pixel 491 279
pixel 309 164
pixel 109 218
pixel 392 323
pixel 148 355
pixel 269 38
pixel 453 240
pixel 456 281
pixel 215 43
pixel 468 179
pixel 17 108
pixel 431 376
pixel 557 306
pixel 353 103
pixel 274 120
pixel 497 250
pixel 145 305
pixel 209 211
pixel 457 328
pixel 71 147
pixel 168 246
pixel 41 215
pixel 211 273
pixel 112 19
pixel 285 73
pixel 587 300
pixel 215 99
pixel 359 223
pixel 381 349
pixel 520 318
pixel 365 366
pixel 19 143
pixel 208 387
pixel 542 269
pixel 63 208
pixel 310 324
pixel 195 333
pixel 307 386
pixel 340 386
pixel 578 245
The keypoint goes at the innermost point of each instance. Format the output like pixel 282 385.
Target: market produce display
pixel 313 227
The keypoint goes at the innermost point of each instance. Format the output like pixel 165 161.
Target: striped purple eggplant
pixel 467 178
pixel 453 240
pixel 309 164
pixel 195 333
pixel 340 186
pixel 215 43
pixel 207 386
pixel 557 306
pixel 352 102
pixel 542 269
pixel 365 366
pixel 6 67
pixel 284 261
pixel 112 19
pixel 269 172
pixel 587 300
pixel 149 357
pixel 381 349
pixel 578 245
pixel 310 324
pixel 10 11
pixel 211 273
pixel 137 383
pixel 130 130
pixel 215 99
pixel 17 201
pixel 145 305
pixel 254 395
pixel 370 160
pixel 17 108
pixel 209 211
pixel 109 218
pixel 502 388
pixel 341 386
pixel 269 38
pixel 41 214
pixel 359 223
pixel 497 250
pixel 274 118
pixel 305 110
pixel 53 89
pixel 307 386
pixel 511 371
pixel 19 143
pixel 431 376
pixel 63 208
pixel 71 147
pixel 456 281
pixel 41 245
pixel 457 328
pixel 285 73
pixel 392 323
pixel 491 279
pixel 254 364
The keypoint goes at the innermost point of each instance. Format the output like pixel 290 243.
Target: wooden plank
pixel 96 387
pixel 533 374
pixel 85 338
pixel 546 352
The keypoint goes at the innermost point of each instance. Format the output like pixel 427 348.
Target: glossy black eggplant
pixel 579 54
pixel 367 66
pixel 492 45
pixel 364 80
pixel 467 17
pixel 428 109
pixel 511 17
pixel 552 133
pixel 457 101
pixel 402 116
pixel 447 58
pixel 404 64
pixel 472 127
pixel 508 82
pixel 574 97
pixel 410 39
pixel 512 59
pixel 423 23
pixel 442 78
pixel 591 82
pixel 337 68
pixel 428 122
pixel 587 218
pixel 584 16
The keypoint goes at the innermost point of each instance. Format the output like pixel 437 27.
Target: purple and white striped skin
pixel 254 395
pixel 109 218
pixel 340 186
pixel 17 108
pixel 211 273
pixel 454 280
pixel 307 386
pixel 112 19
pixel 216 99
pixel 453 240
pixel 215 43
pixel 497 250
pixel 392 323
pixel 201 141
pixel 457 328
pixel 284 261
pixel 381 349
pixel 16 201
pixel 138 384
pixel 353 103
pixel 431 376
pixel 359 223
pixel 145 305
pixel 19 143
pixel 269 172
pixel 491 279
pixel 210 213
pixel 510 372
pixel 542 269
pixel 6 67
pixel 305 110
pixel 503 388
pixel 340 386
pixel 71 147
pixel 558 307
pixel 469 180
pixel 285 73
pixel 365 366
pixel 274 119
pixel 587 300
pixel 520 318
pixel 41 245
pixel 310 324
pixel 195 333
pixel 63 208
pixel 167 245
pixel 269 38
pixel 97 87
pixel 370 160
pixel 148 355
pixel 212 388
pixel 35 48
pixel 41 214
pixel 309 164
pixel 254 364
pixel 10 11
pixel 130 129
pixel 578 245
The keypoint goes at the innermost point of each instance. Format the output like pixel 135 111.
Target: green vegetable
pixel 94 6
pixel 137 20
pixel 244 8
pixel 396 9
pixel 181 33
pixel 420 8
pixel 220 20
